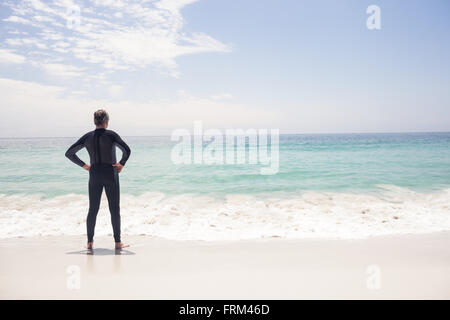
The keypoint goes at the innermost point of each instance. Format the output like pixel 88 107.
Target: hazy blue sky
pixel 300 66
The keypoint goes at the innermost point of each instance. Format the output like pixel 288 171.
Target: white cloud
pixel 61 70
pixel 115 34
pixel 9 57
pixel 116 91
pixel 45 110
pixel 17 32
pixel 221 96
pixel 18 42
pixel 16 19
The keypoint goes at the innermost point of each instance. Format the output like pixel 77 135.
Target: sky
pixel 156 66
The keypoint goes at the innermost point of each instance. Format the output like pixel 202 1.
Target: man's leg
pixel 95 195
pixel 112 190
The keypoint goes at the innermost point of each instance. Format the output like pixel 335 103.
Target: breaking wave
pixel 189 217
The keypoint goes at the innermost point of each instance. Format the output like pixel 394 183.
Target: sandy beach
pixel 395 267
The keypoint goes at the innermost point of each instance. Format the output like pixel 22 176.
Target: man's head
pixel 101 118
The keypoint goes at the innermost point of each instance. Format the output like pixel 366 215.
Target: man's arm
pixel 71 152
pixel 126 151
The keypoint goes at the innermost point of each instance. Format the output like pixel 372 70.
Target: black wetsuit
pixel 100 145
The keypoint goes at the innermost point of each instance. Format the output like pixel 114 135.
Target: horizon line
pixel 281 134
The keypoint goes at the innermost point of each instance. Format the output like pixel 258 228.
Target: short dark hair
pixel 100 117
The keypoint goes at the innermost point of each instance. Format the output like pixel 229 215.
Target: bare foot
pixel 90 245
pixel 121 245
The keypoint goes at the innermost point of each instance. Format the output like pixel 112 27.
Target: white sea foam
pixel 188 217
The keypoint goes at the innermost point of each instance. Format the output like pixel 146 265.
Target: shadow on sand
pixel 103 252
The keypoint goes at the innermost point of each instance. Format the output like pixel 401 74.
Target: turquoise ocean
pixel 328 185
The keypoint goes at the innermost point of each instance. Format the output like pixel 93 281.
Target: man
pixel 103 172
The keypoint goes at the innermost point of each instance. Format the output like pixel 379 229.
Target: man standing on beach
pixel 103 172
